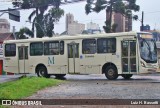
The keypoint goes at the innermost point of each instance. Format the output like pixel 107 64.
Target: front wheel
pixel 42 72
pixel 111 73
pixel 127 76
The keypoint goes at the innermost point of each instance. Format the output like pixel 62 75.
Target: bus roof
pixel 68 37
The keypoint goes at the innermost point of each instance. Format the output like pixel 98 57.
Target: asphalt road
pixel 98 87
pixel 6 78
pixel 142 78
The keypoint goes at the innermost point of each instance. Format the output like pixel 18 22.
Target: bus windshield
pixel 148 50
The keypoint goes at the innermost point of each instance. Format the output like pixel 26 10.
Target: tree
pixel 50 18
pixel 37 16
pixel 24 33
pixel 124 7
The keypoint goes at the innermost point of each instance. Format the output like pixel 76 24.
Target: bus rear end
pixel 10 63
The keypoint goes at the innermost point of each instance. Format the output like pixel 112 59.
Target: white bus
pixel 112 54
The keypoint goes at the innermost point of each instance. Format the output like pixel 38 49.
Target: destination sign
pixel 146 36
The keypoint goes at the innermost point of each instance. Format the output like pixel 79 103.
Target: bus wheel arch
pixel 110 70
pixel 41 71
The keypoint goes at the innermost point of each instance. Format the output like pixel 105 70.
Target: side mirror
pixel 142 44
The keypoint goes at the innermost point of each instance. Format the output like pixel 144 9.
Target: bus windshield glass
pixel 148 50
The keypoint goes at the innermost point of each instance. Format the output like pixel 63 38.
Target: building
pixel 69 20
pixel 4 26
pixel 124 23
pixel 145 28
pixel 92 25
pixel 73 27
pixel 93 28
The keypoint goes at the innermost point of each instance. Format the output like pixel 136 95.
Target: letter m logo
pixel 50 60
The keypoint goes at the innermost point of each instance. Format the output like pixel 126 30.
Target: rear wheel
pixel 127 76
pixel 111 73
pixel 42 72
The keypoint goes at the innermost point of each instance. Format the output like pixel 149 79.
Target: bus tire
pixel 59 75
pixel 111 73
pixel 42 72
pixel 127 76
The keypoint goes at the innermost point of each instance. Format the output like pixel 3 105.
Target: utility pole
pixel 14 33
pixel 142 21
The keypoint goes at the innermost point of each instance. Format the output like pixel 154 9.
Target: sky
pixel 151 10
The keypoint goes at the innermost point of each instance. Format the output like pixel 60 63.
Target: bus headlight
pixel 142 64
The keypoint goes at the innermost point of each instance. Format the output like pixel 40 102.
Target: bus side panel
pixel 55 64
pixel 11 62
pixel 91 63
pixel 34 61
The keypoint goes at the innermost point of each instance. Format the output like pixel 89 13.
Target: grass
pixel 25 87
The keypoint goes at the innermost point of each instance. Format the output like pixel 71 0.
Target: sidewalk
pixel 6 78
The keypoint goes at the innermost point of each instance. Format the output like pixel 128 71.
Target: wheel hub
pixel 111 72
pixel 41 72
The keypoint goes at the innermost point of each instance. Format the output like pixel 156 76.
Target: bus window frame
pixel 60 48
pixel 108 39
pixel 36 49
pixel 48 42
pixel 87 52
pixel 10 50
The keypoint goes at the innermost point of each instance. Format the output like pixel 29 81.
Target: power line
pixel 152 12
pixel 62 3
pixel 149 12
pixel 5 4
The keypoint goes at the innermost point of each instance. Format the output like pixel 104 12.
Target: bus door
pixel 129 57
pixel 23 63
pixel 73 58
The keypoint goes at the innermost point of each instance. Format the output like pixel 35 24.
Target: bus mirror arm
pixel 141 44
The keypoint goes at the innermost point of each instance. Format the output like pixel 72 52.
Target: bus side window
pixel 106 45
pixel 89 46
pixel 36 48
pixel 51 48
pixel 10 50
